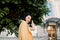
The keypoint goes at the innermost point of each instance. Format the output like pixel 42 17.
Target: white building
pixel 55 5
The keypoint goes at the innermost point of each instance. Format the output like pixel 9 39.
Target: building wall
pixel 55 7
pixel 39 34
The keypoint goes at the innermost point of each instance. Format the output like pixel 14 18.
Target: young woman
pixel 24 29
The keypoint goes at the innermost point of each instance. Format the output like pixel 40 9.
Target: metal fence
pixel 8 38
pixel 35 38
pixel 14 38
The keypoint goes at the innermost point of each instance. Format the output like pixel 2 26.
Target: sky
pixel 49 5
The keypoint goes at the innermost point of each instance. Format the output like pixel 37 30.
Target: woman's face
pixel 28 18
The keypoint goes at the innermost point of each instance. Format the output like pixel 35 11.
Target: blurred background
pixel 41 10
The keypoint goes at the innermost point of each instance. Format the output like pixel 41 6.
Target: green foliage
pixel 11 10
pixel 4 12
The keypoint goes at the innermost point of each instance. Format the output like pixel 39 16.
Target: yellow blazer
pixel 24 32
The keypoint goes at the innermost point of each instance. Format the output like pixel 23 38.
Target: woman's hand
pixel 33 26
